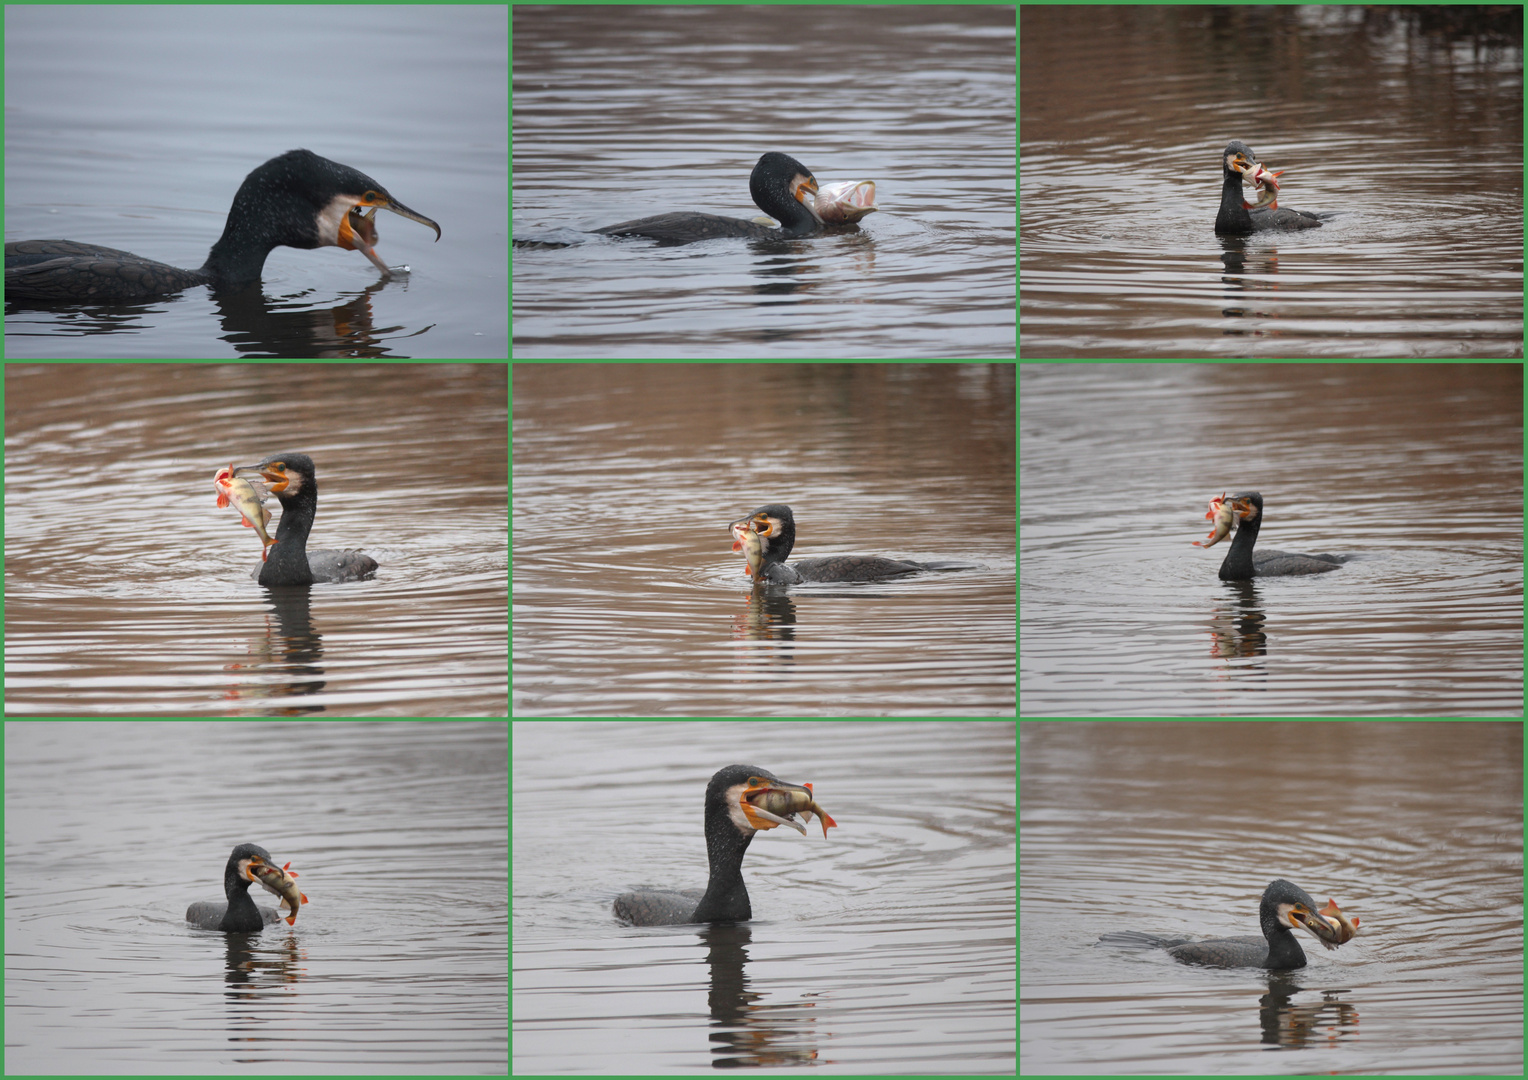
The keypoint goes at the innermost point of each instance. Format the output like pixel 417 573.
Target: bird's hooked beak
pixel 1242 509
pixel 382 200
pixel 758 816
pixel 271 470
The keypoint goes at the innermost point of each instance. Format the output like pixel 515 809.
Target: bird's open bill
pixel 768 803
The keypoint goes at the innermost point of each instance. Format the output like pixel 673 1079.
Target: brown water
pixel 648 110
pixel 1176 829
pixel 628 599
pixel 128 592
pixel 1413 139
pixel 884 948
pixel 1414 470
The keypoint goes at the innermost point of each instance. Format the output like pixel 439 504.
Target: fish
pixel 364 225
pixel 279 880
pixel 363 235
pixel 1327 931
pixel 775 803
pixel 1267 184
pixel 746 539
pixel 1222 513
pixel 1333 912
pixel 247 498
pixel 845 203
pixel 1330 925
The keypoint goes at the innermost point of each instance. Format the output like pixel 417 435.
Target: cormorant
pixel 1284 906
pixel 1236 218
pixel 288 561
pixel 740 800
pixel 297 200
pixel 779 186
pixel 1242 565
pixel 776 528
pixel 239 915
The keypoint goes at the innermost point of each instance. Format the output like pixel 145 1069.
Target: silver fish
pixel 1267 184
pixel 841 204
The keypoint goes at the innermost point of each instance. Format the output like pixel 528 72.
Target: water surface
pixel 112 830
pixel 1414 470
pixel 1176 829
pixel 1411 138
pixel 628 599
pixel 648 110
pixel 128 592
pixel 885 948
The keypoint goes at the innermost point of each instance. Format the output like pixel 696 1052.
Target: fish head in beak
pixel 767 801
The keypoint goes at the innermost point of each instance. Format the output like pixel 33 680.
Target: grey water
pixel 649 110
pixel 397 963
pixel 1176 828
pixel 885 947
pixel 1416 471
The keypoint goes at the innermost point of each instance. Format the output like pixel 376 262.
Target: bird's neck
pixel 1233 218
pixel 726 896
pixel 1238 562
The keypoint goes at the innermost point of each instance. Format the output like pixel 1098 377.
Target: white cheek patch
pixel 736 813
pixel 329 219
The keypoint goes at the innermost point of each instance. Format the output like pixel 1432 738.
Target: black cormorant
pixel 776 527
pixel 779 186
pixel 239 914
pixel 288 561
pixel 1242 565
pixel 1236 218
pixel 735 810
pixel 297 200
pixel 1283 907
